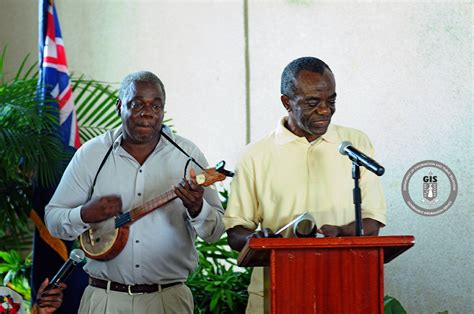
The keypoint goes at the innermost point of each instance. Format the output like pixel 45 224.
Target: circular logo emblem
pixel 429 188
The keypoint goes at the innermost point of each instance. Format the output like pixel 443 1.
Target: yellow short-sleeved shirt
pixel 283 175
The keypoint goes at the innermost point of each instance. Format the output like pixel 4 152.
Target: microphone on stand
pixel 75 257
pixel 346 148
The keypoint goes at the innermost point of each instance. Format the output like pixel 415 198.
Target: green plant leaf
pixel 214 301
pixel 10 257
pixel 393 306
pixel 4 268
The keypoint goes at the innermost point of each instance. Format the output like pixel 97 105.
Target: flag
pixel 50 253
pixel 54 76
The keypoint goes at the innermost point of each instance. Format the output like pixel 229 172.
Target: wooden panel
pixel 326 281
pixel 324 275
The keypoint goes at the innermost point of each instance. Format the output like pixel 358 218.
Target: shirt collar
pixel 117 137
pixel 284 136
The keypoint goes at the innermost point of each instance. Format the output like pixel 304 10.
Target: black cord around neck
pixel 181 150
pixel 165 136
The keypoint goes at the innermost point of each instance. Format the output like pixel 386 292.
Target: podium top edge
pixel 256 251
pixel 337 242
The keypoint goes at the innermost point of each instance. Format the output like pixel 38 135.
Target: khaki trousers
pixel 255 304
pixel 173 300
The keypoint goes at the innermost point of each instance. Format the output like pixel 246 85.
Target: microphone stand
pixel 359 231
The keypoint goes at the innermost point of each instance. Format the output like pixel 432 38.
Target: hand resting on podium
pixel 371 228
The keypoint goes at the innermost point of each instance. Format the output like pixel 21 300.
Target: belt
pixel 130 289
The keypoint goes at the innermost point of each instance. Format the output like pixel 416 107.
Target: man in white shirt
pixel 139 164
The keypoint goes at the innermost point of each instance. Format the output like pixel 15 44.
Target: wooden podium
pixel 324 275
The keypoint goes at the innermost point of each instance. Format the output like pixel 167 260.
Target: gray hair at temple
pixel 291 71
pixel 140 76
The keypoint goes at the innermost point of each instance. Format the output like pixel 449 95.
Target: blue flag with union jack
pixel 54 83
pixel 54 76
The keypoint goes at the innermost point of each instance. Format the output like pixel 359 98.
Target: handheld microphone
pixel 75 257
pixel 346 148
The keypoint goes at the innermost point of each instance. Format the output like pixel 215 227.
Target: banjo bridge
pixel 91 237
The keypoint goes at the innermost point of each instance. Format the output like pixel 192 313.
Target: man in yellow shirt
pixel 297 168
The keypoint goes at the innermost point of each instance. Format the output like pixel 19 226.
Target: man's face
pixel 311 107
pixel 142 113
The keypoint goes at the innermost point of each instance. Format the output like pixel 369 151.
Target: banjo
pixel 106 239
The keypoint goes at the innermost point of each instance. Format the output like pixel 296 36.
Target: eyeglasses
pixel 137 106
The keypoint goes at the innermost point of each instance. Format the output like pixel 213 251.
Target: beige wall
pixel 403 72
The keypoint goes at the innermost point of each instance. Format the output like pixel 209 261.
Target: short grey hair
pixel 291 71
pixel 140 76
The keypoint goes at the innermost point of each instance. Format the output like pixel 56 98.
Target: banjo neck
pixel 143 210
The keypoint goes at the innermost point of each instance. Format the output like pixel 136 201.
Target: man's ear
pixel 118 106
pixel 286 102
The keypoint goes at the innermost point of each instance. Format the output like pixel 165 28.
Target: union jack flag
pixel 54 77
pixel 50 253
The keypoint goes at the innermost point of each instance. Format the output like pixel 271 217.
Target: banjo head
pixel 101 242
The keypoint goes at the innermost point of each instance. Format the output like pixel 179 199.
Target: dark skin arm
pixel 191 194
pixel 100 209
pixel 105 207
pixel 238 236
pixel 49 301
pixel 371 228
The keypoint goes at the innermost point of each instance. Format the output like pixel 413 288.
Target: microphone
pixel 346 148
pixel 305 227
pixel 75 257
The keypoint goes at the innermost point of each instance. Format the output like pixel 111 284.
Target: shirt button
pixel 137 266
pixel 140 170
pixel 139 194
pixel 137 241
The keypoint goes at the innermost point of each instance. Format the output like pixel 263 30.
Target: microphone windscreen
pixel 343 146
pixel 77 255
